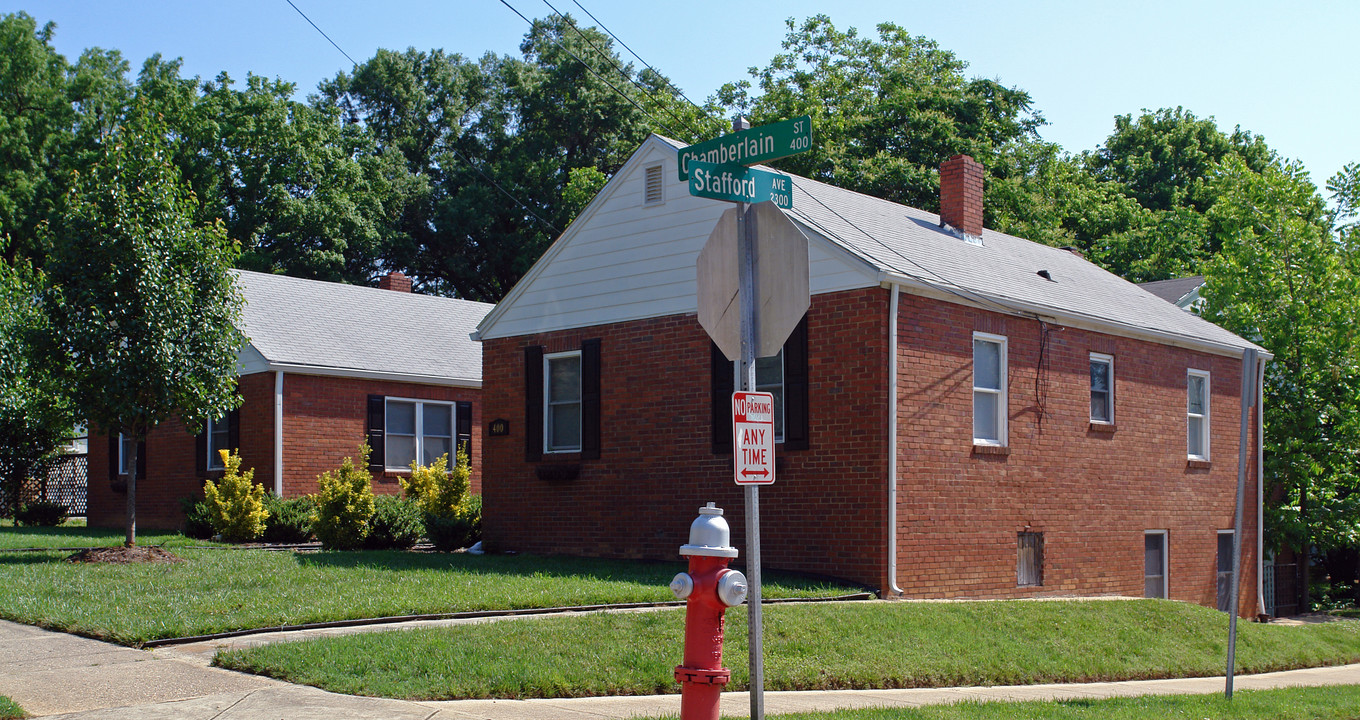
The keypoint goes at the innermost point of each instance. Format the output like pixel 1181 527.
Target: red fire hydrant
pixel 709 588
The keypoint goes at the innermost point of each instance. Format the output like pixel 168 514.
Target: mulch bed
pixel 124 555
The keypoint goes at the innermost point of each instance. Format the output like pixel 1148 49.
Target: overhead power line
pixel 632 52
pixel 323 33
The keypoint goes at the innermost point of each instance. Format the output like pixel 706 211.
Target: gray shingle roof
pixel 1002 272
pixel 327 327
pixel 1175 289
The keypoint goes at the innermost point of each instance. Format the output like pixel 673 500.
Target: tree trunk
pixel 1306 561
pixel 132 497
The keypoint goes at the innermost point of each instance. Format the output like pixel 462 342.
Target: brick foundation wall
pixel 1092 493
pixel 825 513
pixel 324 422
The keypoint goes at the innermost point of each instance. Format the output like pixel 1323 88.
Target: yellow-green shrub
pixel 344 504
pixel 235 503
pixel 439 492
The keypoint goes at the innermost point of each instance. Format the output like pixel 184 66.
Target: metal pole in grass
pixel 1248 400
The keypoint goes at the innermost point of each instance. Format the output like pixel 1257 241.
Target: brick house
pixel 327 367
pixel 964 413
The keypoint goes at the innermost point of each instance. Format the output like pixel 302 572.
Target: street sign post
pixel 753 437
pixel 751 146
pixel 738 183
pixel 746 146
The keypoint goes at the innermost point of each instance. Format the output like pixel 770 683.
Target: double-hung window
pixel 1197 414
pixel 124 454
pixel 218 436
pixel 562 399
pixel 770 379
pixel 989 389
pixel 1102 389
pixel 417 429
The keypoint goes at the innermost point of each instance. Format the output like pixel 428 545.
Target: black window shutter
pixel 234 430
pixel 377 406
pixel 796 434
pixel 533 403
pixel 201 450
pixel 463 427
pixel 722 384
pixel 590 399
pixel 113 457
pixel 141 460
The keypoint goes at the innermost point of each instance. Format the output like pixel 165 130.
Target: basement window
pixel 653 186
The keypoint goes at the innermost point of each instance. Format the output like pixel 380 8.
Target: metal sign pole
pixel 746 284
pixel 1248 400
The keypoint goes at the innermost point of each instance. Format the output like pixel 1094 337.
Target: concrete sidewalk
pixel 57 675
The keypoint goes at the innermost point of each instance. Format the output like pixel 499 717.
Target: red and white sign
pixel 753 437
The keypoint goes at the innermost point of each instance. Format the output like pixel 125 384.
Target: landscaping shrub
pixel 197 519
pixel 43 513
pixel 344 504
pixel 289 521
pixel 459 530
pixel 396 524
pixel 235 503
pixel 439 491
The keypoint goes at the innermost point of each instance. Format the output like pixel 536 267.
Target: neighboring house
pixel 327 367
pixel 958 418
pixel 1181 292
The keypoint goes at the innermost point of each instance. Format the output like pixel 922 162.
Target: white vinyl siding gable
pixel 625 260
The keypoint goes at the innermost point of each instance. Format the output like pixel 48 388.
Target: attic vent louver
pixel 653 189
pixel 1046 275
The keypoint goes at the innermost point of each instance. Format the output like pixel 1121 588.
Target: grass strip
pixel 214 591
pixel 1313 703
pixel 807 647
pixel 9 710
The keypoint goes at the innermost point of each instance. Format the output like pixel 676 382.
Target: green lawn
pixel 1322 703
pixel 222 590
pixel 807 647
pixel 10 711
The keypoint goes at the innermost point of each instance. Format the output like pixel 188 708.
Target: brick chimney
pixel 961 194
pixel 395 281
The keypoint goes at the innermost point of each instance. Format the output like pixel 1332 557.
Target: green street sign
pixel 752 146
pixel 738 183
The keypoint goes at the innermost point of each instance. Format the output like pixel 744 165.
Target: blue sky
pixel 1286 71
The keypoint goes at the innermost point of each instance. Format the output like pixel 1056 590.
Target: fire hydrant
pixel 709 588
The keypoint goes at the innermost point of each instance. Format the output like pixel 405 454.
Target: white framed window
pixel 219 432
pixel 1102 389
pixel 989 389
pixel 1029 561
pixel 413 429
pixel 1155 561
pixel 562 402
pixel 770 379
pixel 124 454
pixel 1197 414
pixel 653 185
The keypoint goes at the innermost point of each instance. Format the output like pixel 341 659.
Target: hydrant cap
pixel 709 535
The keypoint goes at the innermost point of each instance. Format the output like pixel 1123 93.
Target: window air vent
pixel 653 188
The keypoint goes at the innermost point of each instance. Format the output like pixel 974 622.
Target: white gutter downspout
pixel 892 442
pixel 278 433
pixel 1260 485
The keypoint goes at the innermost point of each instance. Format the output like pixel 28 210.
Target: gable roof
pixel 892 244
pixel 324 328
pixel 1174 290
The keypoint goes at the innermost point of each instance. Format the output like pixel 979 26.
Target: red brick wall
pixel 324 422
pixel 826 511
pixel 1091 493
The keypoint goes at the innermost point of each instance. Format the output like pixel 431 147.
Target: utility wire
pixel 455 150
pixel 634 54
pixel 588 68
pixel 609 58
pixel 323 33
